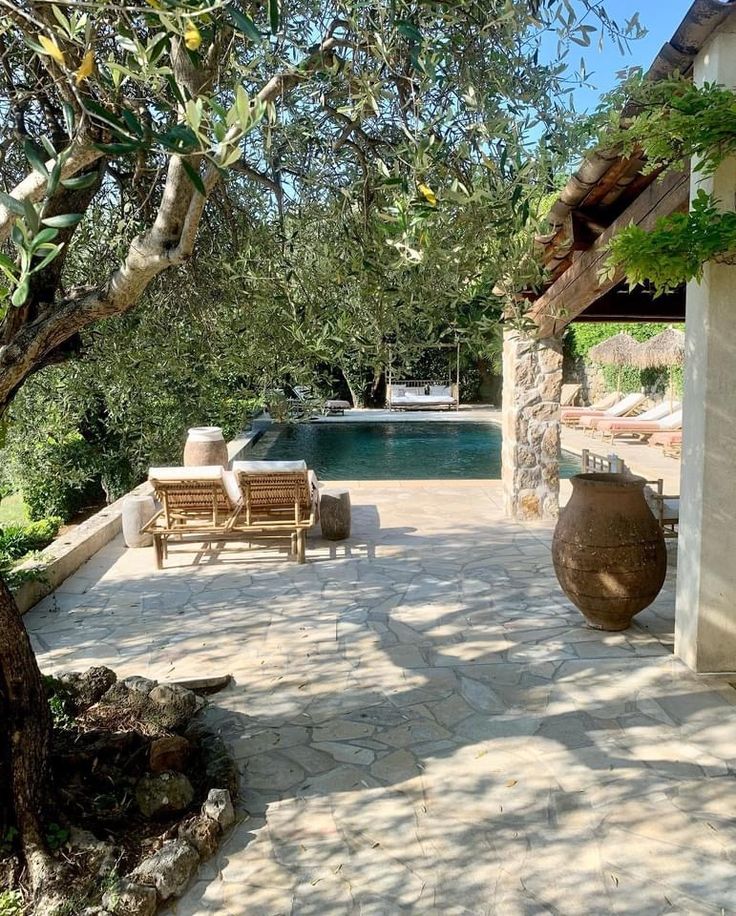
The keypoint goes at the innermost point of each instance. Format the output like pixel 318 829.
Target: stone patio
pixel 423 722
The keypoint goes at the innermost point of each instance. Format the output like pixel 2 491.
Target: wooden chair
pixel 601 464
pixel 211 504
pixel 204 502
pixel 665 507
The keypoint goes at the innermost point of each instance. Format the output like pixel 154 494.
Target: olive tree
pixel 171 113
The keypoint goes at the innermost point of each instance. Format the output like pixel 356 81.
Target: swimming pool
pixel 393 451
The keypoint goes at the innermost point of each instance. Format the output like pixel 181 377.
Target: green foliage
pixel 33 232
pixel 61 702
pixel 675 123
pixel 581 337
pixel 11 903
pixel 58 476
pixel 678 247
pixel 56 836
pixel 18 540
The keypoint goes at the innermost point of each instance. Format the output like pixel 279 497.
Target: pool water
pixel 393 451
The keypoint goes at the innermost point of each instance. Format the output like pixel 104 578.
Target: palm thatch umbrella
pixel 620 350
pixel 667 349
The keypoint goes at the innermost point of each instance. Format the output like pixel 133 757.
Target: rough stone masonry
pixel 532 382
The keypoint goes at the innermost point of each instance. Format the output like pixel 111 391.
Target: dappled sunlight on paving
pixel 423 722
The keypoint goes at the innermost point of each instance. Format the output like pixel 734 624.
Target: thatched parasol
pixel 665 350
pixel 620 350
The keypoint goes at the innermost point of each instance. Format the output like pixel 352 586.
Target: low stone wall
pixel 67 553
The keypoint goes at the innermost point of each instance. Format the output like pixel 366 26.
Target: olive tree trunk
pixel 24 737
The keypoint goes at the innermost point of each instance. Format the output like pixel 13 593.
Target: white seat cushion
pixel 232 488
pixel 205 472
pixel 269 467
pixel 428 399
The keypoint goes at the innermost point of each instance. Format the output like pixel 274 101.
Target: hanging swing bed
pixel 425 394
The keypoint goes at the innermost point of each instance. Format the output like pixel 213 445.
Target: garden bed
pixel 140 793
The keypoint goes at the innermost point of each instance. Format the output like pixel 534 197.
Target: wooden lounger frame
pixel 273 506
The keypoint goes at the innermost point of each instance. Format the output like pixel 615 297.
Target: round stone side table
pixel 334 513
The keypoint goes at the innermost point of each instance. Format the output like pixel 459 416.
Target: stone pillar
pixel 532 380
pixel 705 624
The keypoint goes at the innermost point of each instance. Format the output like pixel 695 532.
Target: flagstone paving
pixel 423 723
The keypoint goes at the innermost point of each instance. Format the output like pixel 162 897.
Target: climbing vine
pixel 673 121
pixel 678 247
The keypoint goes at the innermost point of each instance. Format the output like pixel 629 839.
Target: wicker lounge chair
pixel 203 502
pixel 210 504
pixel 570 414
pixel 644 428
pixel 280 498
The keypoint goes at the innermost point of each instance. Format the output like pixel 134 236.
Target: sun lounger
pixel 645 428
pixel 280 497
pixel 255 501
pixel 673 447
pixel 570 414
pixel 657 412
pixel 665 440
pixel 628 405
pixel 201 501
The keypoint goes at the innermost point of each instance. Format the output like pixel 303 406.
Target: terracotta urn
pixel 205 446
pixel 608 549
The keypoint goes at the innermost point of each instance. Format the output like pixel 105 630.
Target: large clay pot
pixel 608 549
pixel 205 446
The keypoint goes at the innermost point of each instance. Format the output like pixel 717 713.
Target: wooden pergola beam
pixel 583 283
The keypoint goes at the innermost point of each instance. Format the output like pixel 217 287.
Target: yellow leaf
pixel 86 67
pixel 52 49
pixel 428 194
pixel 192 38
pixel 154 3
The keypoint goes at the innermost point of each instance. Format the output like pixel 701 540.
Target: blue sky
pixel 660 17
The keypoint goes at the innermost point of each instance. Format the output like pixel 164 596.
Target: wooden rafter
pixel 584 282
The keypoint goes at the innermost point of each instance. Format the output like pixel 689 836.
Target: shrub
pixel 18 540
pixel 11 903
pixel 57 477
